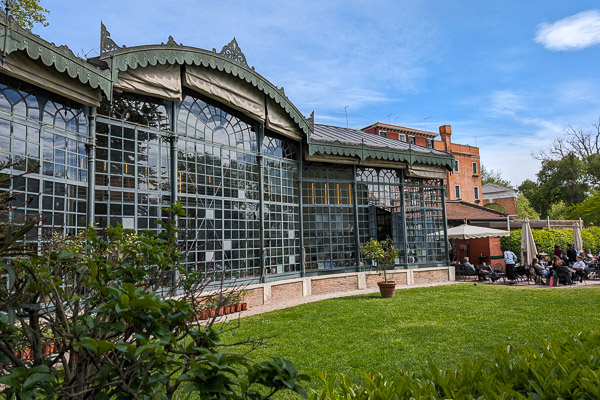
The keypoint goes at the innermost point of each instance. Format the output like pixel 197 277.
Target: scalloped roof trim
pixel 380 154
pixel 141 56
pixel 51 55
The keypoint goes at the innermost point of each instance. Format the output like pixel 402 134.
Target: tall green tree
pixel 492 176
pixel 524 208
pixel 588 210
pixel 27 12
pixel 534 193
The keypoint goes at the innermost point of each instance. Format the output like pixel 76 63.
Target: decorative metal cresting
pixel 234 53
pixel 106 43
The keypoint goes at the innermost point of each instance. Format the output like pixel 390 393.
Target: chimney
pixel 445 133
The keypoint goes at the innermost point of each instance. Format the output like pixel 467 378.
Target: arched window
pixel 200 120
pixel 18 102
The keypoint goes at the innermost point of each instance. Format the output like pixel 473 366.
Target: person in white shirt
pixel 580 268
pixel 510 259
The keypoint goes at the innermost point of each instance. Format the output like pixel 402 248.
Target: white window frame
pixel 456 168
pixel 412 140
pixel 457 191
pixel 429 143
pixel 402 138
pixel 476 192
pixel 475 169
pixel 383 134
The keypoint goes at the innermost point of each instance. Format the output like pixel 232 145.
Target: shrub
pixel 118 326
pixel 547 238
pixel 567 369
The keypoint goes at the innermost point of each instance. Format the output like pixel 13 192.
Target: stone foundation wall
pixel 255 296
pixel 275 291
pixel 431 276
pixel 334 284
pixel 401 278
pixel 286 291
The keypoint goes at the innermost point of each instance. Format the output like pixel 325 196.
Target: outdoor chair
pixel 563 274
pixel 464 273
pixel 539 278
pixel 498 272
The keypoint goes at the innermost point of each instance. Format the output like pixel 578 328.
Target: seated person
pixel 562 271
pixel 589 256
pixel 581 269
pixel 483 271
pixel 469 267
pixel 539 269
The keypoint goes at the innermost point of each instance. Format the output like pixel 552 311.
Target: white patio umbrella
pixel 577 240
pixel 473 232
pixel 527 243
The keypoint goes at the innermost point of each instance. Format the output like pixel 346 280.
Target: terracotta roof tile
pixel 461 210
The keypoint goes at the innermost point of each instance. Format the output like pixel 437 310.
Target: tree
pixel 491 176
pixel 534 194
pixel 575 141
pixel 559 211
pixel 98 316
pixel 524 208
pixel 588 210
pixel 27 12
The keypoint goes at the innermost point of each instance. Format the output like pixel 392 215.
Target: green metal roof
pixel 230 60
pixel 338 141
pixel 13 38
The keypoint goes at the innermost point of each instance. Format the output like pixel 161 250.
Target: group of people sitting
pixel 570 266
pixel 483 271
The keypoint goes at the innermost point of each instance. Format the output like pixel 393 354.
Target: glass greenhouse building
pixel 268 193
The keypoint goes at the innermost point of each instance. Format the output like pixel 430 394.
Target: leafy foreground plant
pixel 102 317
pixel 562 369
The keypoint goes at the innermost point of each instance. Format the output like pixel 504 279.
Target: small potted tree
pixel 384 253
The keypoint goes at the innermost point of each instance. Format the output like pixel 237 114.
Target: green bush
pixel 567 369
pixel 547 238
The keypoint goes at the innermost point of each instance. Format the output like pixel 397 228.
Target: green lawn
pixel 444 324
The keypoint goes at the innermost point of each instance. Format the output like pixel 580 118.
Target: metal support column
pixel 403 208
pixel 301 213
pixel 445 224
pixel 173 108
pixel 90 148
pixel 356 233
pixel 261 197
pixel 173 150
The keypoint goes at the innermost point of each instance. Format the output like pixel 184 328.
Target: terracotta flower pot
pixel 238 307
pixel 212 313
pixel 387 288
pixel 244 306
pixel 203 314
pixel 220 311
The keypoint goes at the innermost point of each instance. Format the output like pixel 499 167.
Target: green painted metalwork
pixel 230 60
pixel 364 152
pixel 15 38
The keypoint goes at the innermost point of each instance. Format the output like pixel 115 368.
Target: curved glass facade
pixel 254 208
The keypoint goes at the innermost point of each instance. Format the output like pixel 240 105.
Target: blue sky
pixel 508 76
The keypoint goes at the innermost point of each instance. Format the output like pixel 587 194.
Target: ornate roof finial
pixel 234 53
pixel 106 43
pixel 171 42
pixel 311 121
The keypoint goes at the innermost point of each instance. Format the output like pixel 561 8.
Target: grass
pixel 443 324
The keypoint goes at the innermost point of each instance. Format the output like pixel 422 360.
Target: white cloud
pixel 504 103
pixel 571 33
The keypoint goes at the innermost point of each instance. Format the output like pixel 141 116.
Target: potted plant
pixel 384 253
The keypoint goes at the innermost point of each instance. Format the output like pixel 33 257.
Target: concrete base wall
pixel 272 292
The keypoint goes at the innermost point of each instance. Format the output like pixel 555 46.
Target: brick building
pixel 503 197
pixel 402 133
pixel 464 182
